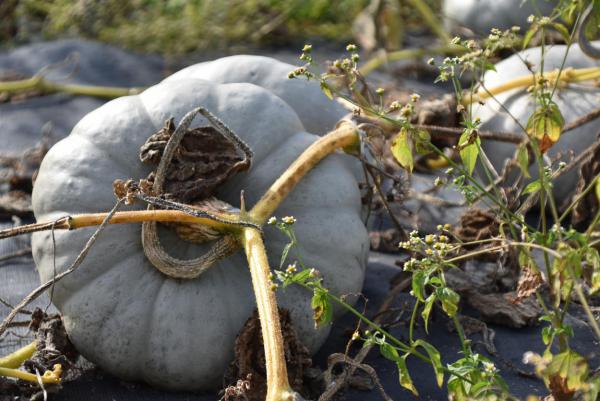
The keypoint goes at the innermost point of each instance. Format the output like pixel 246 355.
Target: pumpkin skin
pixel 318 114
pixel 574 101
pixel 133 321
pixel 481 16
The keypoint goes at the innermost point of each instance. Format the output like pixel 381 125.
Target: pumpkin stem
pixel 45 86
pixel 278 387
pixel 565 76
pixel 344 136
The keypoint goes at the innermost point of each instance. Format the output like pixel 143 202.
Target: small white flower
pixel 289 220
pixel 272 221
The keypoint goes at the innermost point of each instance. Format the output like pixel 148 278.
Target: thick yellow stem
pixel 344 136
pixel 17 358
pixel 278 387
pixel 40 83
pixel 567 75
pixel 49 377
pixel 138 216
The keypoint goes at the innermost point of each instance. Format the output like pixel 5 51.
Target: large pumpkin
pixel 574 101
pixel 135 322
pixel 481 16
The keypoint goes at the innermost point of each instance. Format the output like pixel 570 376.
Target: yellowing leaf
pixel 468 146
pixel 546 125
pixel 402 150
pixel 404 376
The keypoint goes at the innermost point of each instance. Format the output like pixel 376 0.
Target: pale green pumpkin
pixel 133 321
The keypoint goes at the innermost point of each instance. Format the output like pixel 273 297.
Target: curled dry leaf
pixel 477 224
pixel 530 281
pixel 500 309
pixel 204 160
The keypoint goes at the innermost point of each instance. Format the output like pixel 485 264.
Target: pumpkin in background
pixel 574 101
pixel 480 16
pixel 122 313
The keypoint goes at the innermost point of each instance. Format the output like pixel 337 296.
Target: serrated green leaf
pixel 402 150
pixel 469 149
pixel 523 160
pixel 436 360
pixel 404 376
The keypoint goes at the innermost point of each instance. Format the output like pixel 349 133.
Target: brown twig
pixel 39 290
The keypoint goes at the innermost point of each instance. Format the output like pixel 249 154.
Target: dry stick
pixel 39 290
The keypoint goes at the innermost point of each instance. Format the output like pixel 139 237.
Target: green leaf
pixel 301 277
pixel 523 160
pixel 322 309
pixel 404 376
pixel 402 150
pixel 436 360
pixel 422 142
pixel 326 90
pixel 449 300
pixel 529 35
pixel 469 149
pixel 532 187
pixel 418 284
pixel 597 190
pixel 564 32
pixel 389 352
pixel 284 254
pixel 427 310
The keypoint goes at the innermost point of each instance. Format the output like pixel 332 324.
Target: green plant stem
pixel 412 321
pixel 579 198
pixel 584 303
pixel 40 83
pixel 405 54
